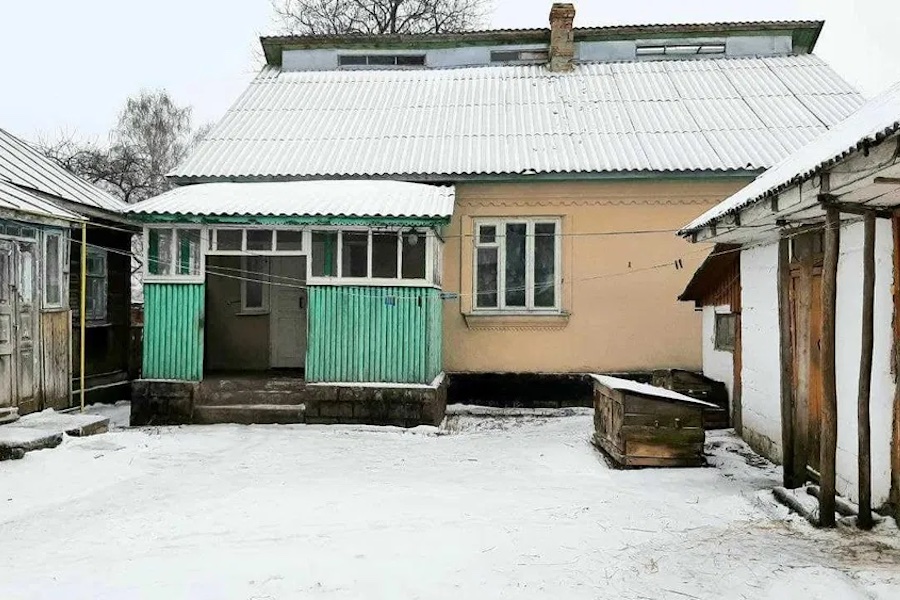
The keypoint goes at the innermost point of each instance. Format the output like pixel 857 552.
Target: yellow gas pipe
pixel 83 307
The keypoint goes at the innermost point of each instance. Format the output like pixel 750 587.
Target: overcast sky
pixel 69 65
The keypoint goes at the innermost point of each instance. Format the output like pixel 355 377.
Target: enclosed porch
pixel 249 304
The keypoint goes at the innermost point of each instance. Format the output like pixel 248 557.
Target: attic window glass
pixel 520 56
pixel 680 49
pixel 381 60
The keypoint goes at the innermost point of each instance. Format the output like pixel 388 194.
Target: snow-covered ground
pixel 489 507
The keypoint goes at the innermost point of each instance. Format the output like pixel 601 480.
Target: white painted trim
pixel 200 277
pixel 253 310
pixel 40 267
pixel 500 244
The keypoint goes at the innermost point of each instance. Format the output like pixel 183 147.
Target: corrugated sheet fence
pixel 369 334
pixel 173 331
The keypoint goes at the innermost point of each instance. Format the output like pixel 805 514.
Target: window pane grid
pixel 516 265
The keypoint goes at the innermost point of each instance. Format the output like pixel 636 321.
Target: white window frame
pixel 213 242
pixel 174 277
pixel 265 281
pixel 500 224
pixel 431 242
pixel 96 252
pixel 60 271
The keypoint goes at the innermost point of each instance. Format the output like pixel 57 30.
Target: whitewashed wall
pixel 717 364
pixel 761 363
pixel 849 318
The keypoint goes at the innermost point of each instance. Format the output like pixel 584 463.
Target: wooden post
pixel 828 435
pixel 865 375
pixel 792 471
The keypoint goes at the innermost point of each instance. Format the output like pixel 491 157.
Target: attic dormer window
pixel 520 56
pixel 654 50
pixel 381 60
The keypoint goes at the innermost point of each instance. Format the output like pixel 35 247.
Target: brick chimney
pixel 562 40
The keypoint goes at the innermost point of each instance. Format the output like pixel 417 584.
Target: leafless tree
pixel 335 17
pixel 151 137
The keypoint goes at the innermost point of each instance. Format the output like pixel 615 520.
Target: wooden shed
pixel 641 425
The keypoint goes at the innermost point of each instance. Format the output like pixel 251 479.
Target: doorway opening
pixel 256 316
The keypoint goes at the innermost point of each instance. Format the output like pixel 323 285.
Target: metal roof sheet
pixel 24 166
pixel 304 198
pixel 711 114
pixel 26 203
pixel 876 120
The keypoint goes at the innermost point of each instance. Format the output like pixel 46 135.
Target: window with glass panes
pixel 96 271
pixel 517 264
pixel 174 253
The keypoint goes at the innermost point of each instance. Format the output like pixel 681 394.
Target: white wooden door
pixel 287 306
pixel 27 315
pixel 7 327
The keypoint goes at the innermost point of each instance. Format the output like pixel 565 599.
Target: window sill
pixel 252 313
pixel 521 321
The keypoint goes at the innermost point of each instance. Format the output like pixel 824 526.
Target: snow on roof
pixel 16 199
pixel 716 114
pixel 644 389
pixel 24 166
pixel 877 119
pixel 304 198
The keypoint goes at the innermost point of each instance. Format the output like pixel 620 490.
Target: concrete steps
pixel 250 414
pixel 39 431
pixel 247 392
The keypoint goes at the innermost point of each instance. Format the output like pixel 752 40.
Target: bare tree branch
pixel 336 17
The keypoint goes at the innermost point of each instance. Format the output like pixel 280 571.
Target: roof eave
pixel 804 33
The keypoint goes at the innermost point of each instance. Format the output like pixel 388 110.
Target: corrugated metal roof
pixel 28 204
pixel 876 120
pixel 717 114
pixel 304 198
pixel 22 165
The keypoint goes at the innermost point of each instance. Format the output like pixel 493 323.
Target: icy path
pixel 514 508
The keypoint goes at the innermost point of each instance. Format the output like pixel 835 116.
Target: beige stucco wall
pixel 618 320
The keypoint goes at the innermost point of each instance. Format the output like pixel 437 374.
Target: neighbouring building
pixel 715 290
pixel 571 155
pixel 778 223
pixel 43 208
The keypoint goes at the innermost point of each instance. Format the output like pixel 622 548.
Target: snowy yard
pixel 486 508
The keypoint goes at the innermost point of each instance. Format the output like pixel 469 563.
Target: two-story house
pixel 499 206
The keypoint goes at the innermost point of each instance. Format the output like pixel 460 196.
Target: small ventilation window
pixel 520 56
pixel 381 60
pixel 680 49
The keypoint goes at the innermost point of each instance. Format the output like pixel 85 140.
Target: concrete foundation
pixel 258 399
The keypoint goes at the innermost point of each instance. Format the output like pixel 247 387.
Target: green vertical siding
pixel 384 335
pixel 173 331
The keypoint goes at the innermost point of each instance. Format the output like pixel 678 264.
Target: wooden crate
pixel 641 425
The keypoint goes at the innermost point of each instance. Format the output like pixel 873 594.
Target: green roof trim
pixel 804 33
pixel 336 221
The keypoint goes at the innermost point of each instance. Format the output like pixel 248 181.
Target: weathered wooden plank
pixel 636 449
pixel 828 441
pixel 865 375
pixel 792 472
pixel 694 435
pixel 688 420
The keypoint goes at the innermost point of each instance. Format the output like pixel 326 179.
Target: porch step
pixel 250 414
pixel 254 397
pixel 252 384
pixel 9 415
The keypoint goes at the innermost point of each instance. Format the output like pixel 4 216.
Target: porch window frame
pixel 173 276
pixel 265 281
pixel 212 245
pixel 431 240
pixel 499 243
pixel 42 265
